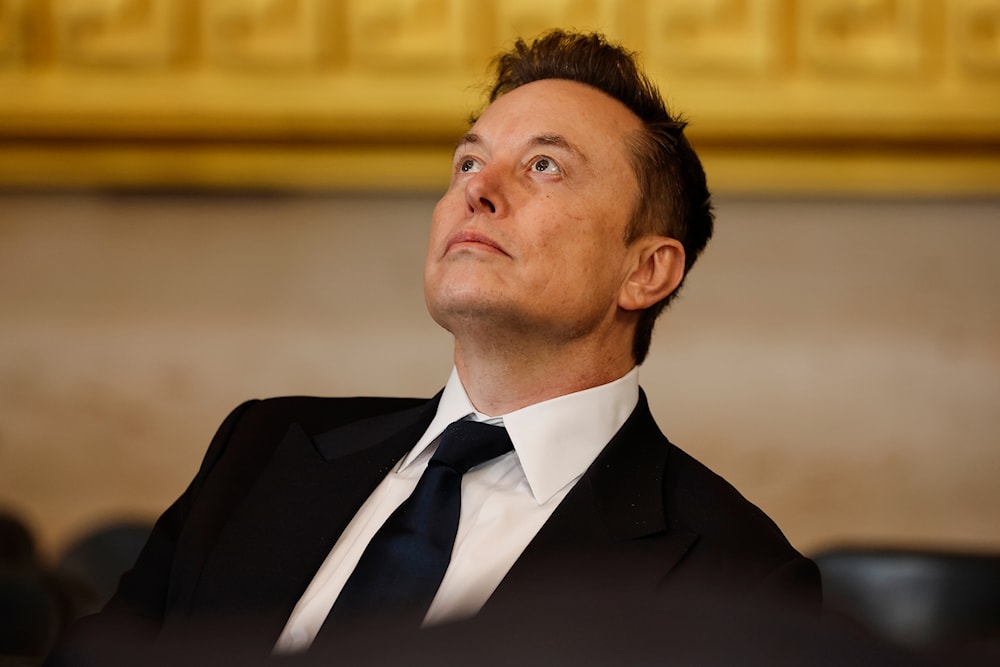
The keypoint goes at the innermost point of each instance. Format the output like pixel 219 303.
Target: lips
pixel 468 238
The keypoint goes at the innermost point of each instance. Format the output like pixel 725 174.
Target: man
pixel 575 209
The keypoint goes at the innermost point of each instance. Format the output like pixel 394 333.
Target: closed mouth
pixel 471 238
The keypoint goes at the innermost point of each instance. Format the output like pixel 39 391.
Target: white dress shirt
pixel 504 501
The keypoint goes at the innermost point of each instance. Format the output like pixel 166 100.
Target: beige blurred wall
pixel 837 360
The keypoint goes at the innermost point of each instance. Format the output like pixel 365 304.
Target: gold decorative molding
pixel 278 35
pixel 109 34
pixel 694 37
pixel 975 37
pixel 865 38
pixel 783 95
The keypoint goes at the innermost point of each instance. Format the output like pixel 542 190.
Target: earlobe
pixel 658 272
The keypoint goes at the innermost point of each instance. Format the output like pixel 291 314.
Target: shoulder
pixel 734 535
pixel 318 414
pixel 695 498
pixel 254 428
pixel 708 504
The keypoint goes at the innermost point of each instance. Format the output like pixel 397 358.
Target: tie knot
pixel 466 444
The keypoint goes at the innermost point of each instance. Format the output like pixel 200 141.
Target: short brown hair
pixel 673 197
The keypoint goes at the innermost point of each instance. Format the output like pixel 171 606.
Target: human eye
pixel 468 165
pixel 545 165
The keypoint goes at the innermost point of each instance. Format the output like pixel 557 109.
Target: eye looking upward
pixel 544 165
pixel 469 165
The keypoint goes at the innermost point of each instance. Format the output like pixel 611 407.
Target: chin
pixel 461 306
pixel 459 309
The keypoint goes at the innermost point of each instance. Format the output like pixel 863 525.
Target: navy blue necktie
pixel 402 567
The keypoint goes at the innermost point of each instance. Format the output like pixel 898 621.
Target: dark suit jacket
pixel 283 477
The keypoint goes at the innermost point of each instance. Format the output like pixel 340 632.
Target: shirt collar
pixel 555 440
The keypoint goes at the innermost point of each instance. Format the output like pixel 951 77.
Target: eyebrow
pixel 548 139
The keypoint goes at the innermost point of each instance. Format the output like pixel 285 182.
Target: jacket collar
pixel 374 432
pixel 613 529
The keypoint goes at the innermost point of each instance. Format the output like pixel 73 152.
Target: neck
pixel 500 378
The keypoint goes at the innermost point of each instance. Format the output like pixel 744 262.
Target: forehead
pixel 591 120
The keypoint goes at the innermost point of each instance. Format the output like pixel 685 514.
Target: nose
pixel 485 192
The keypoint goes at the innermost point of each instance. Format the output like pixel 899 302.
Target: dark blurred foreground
pixel 888 607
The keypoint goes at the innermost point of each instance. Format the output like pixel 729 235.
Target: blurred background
pixel 203 201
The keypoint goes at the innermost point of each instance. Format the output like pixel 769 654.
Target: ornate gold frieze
pixel 245 92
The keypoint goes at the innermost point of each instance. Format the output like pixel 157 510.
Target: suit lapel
pixel 275 541
pixel 613 527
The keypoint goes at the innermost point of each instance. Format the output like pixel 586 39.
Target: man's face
pixel 529 235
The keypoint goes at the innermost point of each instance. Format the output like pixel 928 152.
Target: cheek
pixel 443 212
pixel 452 204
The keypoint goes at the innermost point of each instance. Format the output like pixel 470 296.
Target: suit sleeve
pixel 797 581
pixel 136 611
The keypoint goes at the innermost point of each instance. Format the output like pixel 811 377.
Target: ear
pixel 657 273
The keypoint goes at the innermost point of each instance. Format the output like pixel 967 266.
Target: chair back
pixel 920 599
